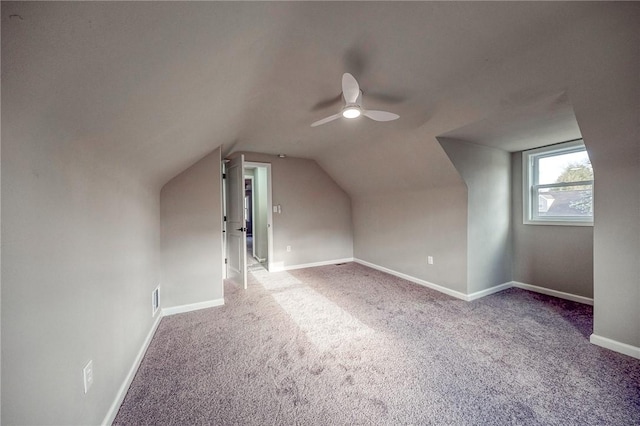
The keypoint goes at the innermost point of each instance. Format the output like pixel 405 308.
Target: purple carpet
pixel 339 345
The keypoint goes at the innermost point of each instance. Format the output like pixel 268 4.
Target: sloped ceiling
pixel 154 86
pixel 545 122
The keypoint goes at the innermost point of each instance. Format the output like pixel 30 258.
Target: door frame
pixel 254 165
pixel 223 192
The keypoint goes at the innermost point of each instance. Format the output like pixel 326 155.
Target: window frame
pixel 530 173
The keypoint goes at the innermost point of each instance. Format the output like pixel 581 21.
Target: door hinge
pixel 224 176
pixel 225 260
pixel 225 218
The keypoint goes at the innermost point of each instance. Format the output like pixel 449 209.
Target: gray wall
pixel 191 234
pixel 316 213
pixel 80 248
pixel 555 257
pixel 607 112
pixel 487 173
pixel 399 230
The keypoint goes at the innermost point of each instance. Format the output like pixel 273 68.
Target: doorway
pixel 243 209
pixel 257 179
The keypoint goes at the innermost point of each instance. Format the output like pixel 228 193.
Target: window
pixel 558 185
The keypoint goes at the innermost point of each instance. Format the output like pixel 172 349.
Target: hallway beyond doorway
pixel 252 263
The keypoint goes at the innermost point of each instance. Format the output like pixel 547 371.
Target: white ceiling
pixel 153 86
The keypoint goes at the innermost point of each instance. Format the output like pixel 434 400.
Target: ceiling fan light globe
pixel 351 112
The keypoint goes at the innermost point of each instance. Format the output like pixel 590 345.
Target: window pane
pixel 571 201
pixel 571 167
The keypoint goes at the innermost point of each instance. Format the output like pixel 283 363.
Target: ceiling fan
pixel 353 104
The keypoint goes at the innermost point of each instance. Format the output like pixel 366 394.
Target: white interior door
pixel 236 223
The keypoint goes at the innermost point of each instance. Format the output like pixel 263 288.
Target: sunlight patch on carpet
pixel 275 280
pixel 326 325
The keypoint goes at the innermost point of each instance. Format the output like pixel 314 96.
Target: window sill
pixel 557 223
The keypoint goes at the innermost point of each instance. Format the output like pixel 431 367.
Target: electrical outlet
pixel 430 260
pixel 87 374
pixel 288 248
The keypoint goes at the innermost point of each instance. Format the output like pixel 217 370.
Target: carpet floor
pixel 337 345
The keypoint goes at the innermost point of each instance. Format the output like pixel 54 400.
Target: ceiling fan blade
pixel 380 115
pixel 326 120
pixel 350 88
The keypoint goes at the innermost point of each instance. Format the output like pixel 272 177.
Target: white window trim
pixel 528 178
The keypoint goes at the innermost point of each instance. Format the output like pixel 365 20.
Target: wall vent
pixel 155 301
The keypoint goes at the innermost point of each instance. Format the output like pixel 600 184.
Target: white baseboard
pixel 192 307
pixel 122 392
pixel 279 266
pixel 554 293
pixel 415 280
pixel 488 291
pixel 614 345
pixel 481 293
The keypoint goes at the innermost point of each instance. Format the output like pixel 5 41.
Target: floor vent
pixel 340 264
